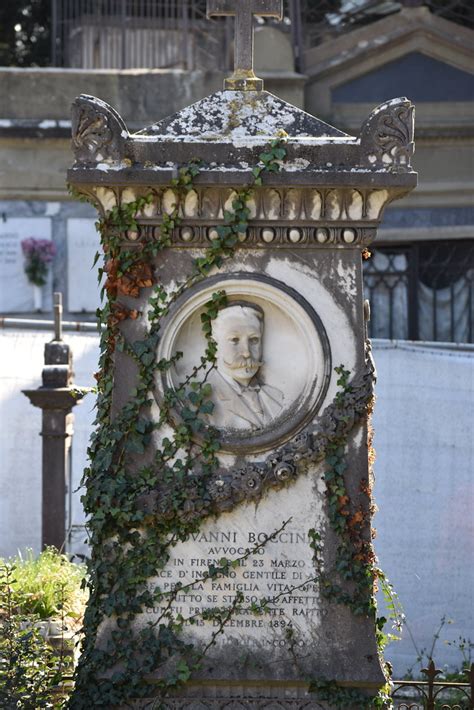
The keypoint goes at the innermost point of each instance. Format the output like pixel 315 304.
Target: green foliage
pixel 32 673
pixel 424 655
pixel 25 33
pixel 354 567
pixel 355 558
pixel 44 586
pixel 271 159
pixel 342 698
pixel 394 609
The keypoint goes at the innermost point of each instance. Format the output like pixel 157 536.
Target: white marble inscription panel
pixel 83 244
pixel 16 293
pixel 282 571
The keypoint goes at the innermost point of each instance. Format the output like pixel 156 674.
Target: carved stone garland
pixel 227 489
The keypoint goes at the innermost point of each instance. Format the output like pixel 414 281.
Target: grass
pixel 47 586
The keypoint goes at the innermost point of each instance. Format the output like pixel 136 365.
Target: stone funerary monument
pixel 230 487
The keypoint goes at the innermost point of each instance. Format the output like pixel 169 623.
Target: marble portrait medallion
pixel 273 359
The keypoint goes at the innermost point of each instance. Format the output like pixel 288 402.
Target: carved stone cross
pixel 244 78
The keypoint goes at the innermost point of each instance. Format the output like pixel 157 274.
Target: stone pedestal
pixel 291 386
pixel 56 398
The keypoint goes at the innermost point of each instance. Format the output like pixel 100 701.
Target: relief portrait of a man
pixel 241 399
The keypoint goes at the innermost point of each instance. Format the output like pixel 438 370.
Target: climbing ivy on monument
pixel 229 487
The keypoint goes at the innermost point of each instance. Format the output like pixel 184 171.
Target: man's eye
pixel 234 340
pixel 254 341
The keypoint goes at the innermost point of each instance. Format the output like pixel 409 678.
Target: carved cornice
pixel 274 236
pixel 317 155
pixel 284 217
pixel 207 205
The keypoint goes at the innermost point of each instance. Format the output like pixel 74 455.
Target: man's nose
pixel 244 348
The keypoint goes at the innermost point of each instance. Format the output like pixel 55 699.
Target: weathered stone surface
pixel 228 132
pixel 263 486
pixel 294 311
pixel 284 697
pixel 235 116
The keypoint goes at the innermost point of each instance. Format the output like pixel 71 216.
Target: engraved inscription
pixel 273 580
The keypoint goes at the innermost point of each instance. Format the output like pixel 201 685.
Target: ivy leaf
pixel 207 407
pixel 206 389
pixel 134 445
pixel 147 358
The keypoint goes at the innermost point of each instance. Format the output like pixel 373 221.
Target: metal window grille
pixel 124 34
pixel 129 34
pixel 100 34
pixel 423 291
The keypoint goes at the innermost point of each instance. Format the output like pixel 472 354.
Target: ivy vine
pixel 129 543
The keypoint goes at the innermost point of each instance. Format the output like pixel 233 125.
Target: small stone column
pixel 56 398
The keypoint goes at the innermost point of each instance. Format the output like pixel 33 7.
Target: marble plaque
pixel 83 244
pixel 278 569
pixel 16 292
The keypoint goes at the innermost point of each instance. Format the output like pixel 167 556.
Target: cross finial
pixel 243 78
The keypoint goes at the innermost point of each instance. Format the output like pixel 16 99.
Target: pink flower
pixel 42 249
pixel 38 254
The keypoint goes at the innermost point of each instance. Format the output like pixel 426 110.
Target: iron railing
pixel 422 291
pixel 434 693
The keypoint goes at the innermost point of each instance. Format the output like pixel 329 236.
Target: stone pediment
pixel 236 116
pixel 228 131
pixel 370 54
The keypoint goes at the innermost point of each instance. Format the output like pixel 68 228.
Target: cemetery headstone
pixel 17 294
pixel 82 245
pixel 230 482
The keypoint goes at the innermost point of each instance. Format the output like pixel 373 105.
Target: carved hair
pixel 257 312
pixel 245 304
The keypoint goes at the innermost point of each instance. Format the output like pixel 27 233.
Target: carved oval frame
pixel 234 284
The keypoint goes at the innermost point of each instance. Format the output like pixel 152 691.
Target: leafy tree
pixel 25 32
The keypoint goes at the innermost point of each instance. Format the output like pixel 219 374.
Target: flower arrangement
pixel 38 253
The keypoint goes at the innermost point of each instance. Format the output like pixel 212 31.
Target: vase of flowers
pixel 38 253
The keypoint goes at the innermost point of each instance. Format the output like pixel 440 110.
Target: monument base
pixel 249 696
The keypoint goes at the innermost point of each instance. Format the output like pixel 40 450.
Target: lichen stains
pixel 233 116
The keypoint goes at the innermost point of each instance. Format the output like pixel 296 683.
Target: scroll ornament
pixel 387 137
pixel 98 132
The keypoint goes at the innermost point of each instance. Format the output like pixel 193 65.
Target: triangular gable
pixel 420 77
pixel 420 41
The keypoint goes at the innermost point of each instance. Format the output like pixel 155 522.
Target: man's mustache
pixel 248 363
